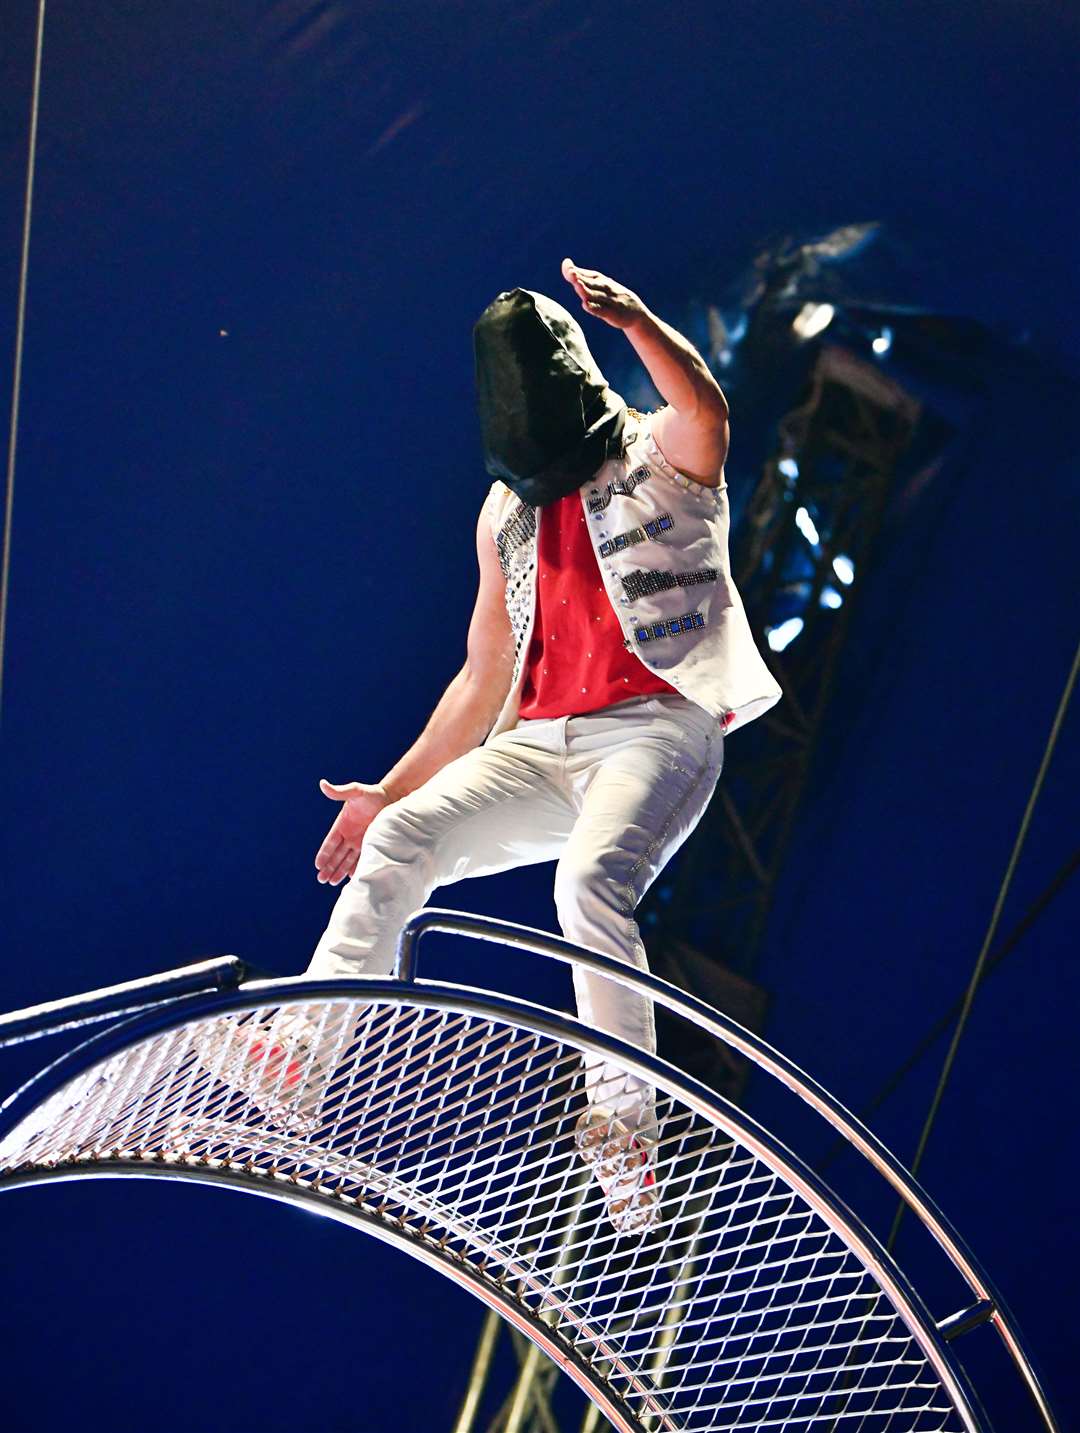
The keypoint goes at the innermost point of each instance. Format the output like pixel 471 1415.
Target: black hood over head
pixel 548 420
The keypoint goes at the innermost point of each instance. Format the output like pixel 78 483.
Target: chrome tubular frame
pixel 984 1295
pixel 561 1321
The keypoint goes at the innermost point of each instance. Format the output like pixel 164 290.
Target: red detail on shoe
pixel 649 1178
pixel 257 1053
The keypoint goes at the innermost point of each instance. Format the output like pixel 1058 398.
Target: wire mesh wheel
pixel 750 1302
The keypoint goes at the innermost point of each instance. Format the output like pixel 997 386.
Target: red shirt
pixel 576 660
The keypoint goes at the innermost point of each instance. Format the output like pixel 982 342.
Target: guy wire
pixel 20 328
pixel 977 973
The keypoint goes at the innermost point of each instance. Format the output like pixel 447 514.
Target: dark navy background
pixel 243 561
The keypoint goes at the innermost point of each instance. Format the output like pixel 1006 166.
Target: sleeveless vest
pixel 577 661
pixel 661 544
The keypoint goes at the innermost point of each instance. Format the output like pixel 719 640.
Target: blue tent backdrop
pixel 248 472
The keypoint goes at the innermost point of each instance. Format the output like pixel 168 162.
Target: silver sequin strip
pixel 623 487
pixel 645 582
pixel 518 529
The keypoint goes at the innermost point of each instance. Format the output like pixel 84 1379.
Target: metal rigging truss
pixel 800 554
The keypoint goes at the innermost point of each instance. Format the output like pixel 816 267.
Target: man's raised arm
pixel 692 431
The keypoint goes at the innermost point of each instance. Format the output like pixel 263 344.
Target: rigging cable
pixel 844 1394
pixel 1038 906
pixel 977 973
pixel 20 328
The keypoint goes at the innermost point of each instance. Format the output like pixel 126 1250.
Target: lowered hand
pixel 336 858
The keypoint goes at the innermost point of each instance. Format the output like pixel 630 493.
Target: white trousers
pixel 610 796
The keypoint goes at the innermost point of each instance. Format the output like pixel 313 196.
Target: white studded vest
pixel 661 543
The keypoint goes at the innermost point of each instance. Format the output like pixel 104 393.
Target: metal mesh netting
pixel 741 1308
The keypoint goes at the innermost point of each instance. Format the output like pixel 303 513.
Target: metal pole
pixel 478 1376
pixel 591 1422
pixel 523 1393
pixel 221 973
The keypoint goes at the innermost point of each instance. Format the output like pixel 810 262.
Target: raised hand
pixel 605 298
pixel 336 858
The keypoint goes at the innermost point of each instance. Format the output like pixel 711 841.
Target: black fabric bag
pixel 548 420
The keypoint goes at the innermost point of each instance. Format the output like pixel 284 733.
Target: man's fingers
pixel 329 850
pixel 337 859
pixel 343 866
pixel 595 294
pixel 335 793
pixel 584 281
pixel 587 277
pixel 340 855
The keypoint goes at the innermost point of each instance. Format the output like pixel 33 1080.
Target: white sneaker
pixel 274 1062
pixel 621 1159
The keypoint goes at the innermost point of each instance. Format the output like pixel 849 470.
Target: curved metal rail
pixel 442 1120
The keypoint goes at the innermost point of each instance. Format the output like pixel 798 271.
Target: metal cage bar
pixel 439 1117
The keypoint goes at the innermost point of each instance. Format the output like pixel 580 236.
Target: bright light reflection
pixel 883 342
pixel 844 569
pixel 812 318
pixel 805 523
pixel 830 597
pixel 789 467
pixel 780 637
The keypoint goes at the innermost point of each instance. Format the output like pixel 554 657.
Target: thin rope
pixel 843 1395
pixel 20 328
pixel 1027 921
pixel 977 973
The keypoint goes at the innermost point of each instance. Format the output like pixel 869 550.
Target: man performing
pixel 608 655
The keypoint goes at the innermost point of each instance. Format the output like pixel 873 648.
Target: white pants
pixel 610 796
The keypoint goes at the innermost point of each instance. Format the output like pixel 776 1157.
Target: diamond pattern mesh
pixel 740 1308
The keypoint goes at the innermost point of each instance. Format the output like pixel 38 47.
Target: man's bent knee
pixel 587 891
pixel 396 836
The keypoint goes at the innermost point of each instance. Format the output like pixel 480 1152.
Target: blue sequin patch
pixel 672 628
pixel 647 531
